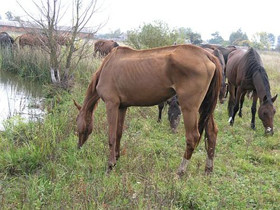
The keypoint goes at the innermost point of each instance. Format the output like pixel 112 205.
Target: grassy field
pixel 41 168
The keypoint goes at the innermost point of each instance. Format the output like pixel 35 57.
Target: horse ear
pixel 274 98
pixel 77 105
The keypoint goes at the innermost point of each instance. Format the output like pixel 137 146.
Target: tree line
pixel 158 34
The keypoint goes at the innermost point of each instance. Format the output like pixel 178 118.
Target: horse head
pixel 266 114
pixel 84 125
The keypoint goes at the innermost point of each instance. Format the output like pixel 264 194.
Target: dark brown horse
pixel 220 56
pixel 245 72
pixel 224 50
pixel 104 47
pixel 130 77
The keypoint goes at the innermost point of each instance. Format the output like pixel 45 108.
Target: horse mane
pixel 253 64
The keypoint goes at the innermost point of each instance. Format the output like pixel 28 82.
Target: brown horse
pixel 32 40
pixel 245 72
pixel 174 111
pixel 104 47
pixel 130 77
pixel 41 40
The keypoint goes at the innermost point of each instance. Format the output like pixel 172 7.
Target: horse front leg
pixel 236 106
pixel 160 108
pixel 254 109
pixel 112 110
pixel 211 131
pixel 121 117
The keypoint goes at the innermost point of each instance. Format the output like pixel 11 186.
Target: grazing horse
pixel 130 77
pixel 104 47
pixel 32 40
pixel 245 72
pixel 174 112
pixel 6 40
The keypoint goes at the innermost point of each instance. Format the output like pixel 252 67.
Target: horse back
pixel 148 77
pixel 235 70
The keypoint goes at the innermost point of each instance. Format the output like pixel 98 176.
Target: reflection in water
pixel 18 97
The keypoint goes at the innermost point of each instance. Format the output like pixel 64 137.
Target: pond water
pixel 19 97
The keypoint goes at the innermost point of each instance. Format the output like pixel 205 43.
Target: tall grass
pixel 30 63
pixel 40 166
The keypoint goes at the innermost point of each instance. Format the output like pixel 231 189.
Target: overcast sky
pixel 202 16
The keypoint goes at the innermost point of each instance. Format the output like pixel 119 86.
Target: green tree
pixel 192 37
pixel 151 35
pixel 217 38
pixel 9 15
pixel 238 38
pixel 263 40
pixel 278 44
pixel 271 38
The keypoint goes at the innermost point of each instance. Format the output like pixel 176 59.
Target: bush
pixel 151 35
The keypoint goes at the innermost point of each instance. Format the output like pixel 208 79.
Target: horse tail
pixel 209 102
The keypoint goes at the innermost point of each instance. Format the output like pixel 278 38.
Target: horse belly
pixel 145 94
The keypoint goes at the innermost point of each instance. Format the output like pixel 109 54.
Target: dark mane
pixel 253 64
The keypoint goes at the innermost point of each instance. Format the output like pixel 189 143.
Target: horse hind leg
pixel 211 131
pixel 192 137
pixel 241 104
pixel 121 117
pixel 236 106
pixel 231 101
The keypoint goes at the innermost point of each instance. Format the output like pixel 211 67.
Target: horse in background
pixel 6 41
pixel 130 77
pixel 245 72
pixel 104 47
pixel 224 50
pixel 220 56
pixel 32 40
pixel 41 40
pixel 174 112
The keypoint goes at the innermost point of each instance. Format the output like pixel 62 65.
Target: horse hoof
pixel 253 126
pixel 240 114
pixel 230 121
pixel 208 171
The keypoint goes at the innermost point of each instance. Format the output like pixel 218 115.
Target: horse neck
pixel 260 86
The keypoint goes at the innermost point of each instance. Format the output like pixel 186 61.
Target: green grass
pixel 41 168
